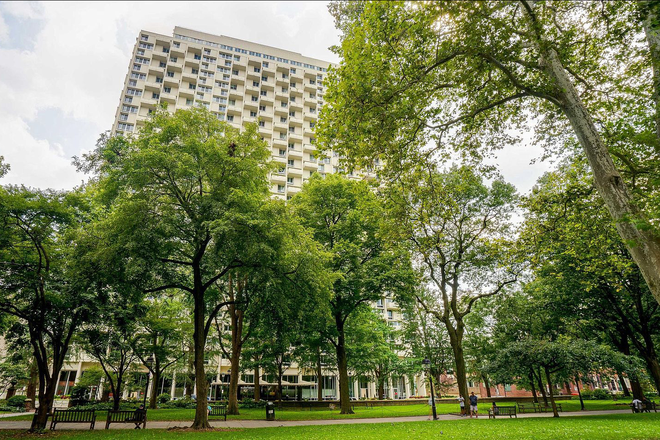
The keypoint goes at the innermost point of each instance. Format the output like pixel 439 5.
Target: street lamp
pixel 149 361
pixel 426 364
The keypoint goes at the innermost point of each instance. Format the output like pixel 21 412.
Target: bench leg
pixel 52 426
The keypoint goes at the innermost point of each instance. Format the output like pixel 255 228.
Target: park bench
pixel 502 411
pixel 73 416
pixel 137 417
pixel 538 407
pixel 218 411
pixel 646 407
pixel 523 408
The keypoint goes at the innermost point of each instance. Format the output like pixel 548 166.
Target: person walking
pixel 461 403
pixel 473 405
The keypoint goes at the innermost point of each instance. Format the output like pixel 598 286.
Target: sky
pixel 63 65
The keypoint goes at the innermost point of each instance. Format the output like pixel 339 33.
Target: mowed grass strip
pixel 607 427
pixel 360 412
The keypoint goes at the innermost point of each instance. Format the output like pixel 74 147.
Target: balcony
pixel 155 69
pixel 284 111
pixel 191 77
pixel 284 126
pixel 309 148
pixel 251 105
pixel 250 119
pixel 309 116
pixel 176 67
pixel 297 122
pixel 296 106
pixel 190 93
pixel 266 99
pixel 150 85
pixel 168 97
pixel 237 79
pixel 277 141
pixel 253 76
pixel 282 96
pixel 310 165
pixel 295 154
pixel 170 81
pixel 269 84
pixel 282 81
pixel 234 110
pixel 294 172
pixel 310 87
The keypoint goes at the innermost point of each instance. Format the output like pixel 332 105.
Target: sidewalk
pixel 24 424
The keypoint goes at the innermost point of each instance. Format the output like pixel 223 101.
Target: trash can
pixel 270 411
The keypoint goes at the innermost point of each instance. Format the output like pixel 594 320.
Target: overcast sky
pixel 62 67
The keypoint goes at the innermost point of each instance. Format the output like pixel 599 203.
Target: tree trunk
pixel 542 389
pixel 642 243
pixel 190 374
pixel 236 346
pixel 649 15
pixel 460 372
pixel 531 381
pixel 487 385
pixel 155 384
pixel 319 377
pixel 11 391
pixel 637 391
pixel 381 389
pixel 577 384
pixel 279 385
pixel 342 366
pixel 257 391
pixel 46 397
pixel 555 413
pixel 31 391
pixel 199 340
pixel 624 387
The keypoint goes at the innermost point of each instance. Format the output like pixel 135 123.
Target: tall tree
pixel 346 218
pixel 180 198
pixel 459 231
pixel 38 281
pixel 418 80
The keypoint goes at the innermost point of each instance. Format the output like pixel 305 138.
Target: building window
pixel 167 89
pixel 256 69
pixel 159 80
pixel 253 113
pixel 292 71
pixel 264 78
pixel 233 87
pixel 312 124
pixel 132 82
pixel 170 74
pixel 255 83
pixel 282 153
pixel 292 146
pixel 173 59
pixel 390 314
pixel 280 188
pixel 230 118
pixel 191 86
pixel 162 64
pixel 254 99
pixel 282 119
pixel 262 124
pixel 289 180
pixel 291 162
pixel 281 170
pixel 263 93
pixel 155 95
pixel 189 101
pixel 262 108
pixel 144 37
pixel 292 114
pixel 194 71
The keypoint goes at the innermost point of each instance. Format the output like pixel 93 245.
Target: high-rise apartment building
pixel 239 81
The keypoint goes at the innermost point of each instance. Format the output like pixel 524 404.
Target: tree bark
pixel 236 317
pixel 555 413
pixel 624 387
pixel 199 340
pixel 190 374
pixel 577 384
pixel 11 391
pixel 342 366
pixel 487 385
pixel 531 381
pixel 31 391
pixel 279 384
pixel 649 15
pixel 642 243
pixel 156 382
pixel 319 377
pixel 637 390
pixel 542 389
pixel 257 391
pixel 456 342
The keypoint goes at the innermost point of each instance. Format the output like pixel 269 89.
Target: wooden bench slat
pixel 73 416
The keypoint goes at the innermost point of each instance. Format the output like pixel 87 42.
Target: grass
pixel 360 413
pixel 608 427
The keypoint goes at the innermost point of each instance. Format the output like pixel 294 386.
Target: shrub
pixel 184 403
pixel 78 392
pixel 163 398
pixel 17 401
pixel 248 403
pixel 601 394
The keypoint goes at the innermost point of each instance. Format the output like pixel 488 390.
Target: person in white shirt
pixel 637 405
pixel 461 403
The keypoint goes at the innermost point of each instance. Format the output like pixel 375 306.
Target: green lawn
pixel 327 414
pixel 610 427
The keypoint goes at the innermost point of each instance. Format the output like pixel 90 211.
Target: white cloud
pixel 81 52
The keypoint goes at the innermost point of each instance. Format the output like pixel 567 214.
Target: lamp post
pixel 149 361
pixel 426 364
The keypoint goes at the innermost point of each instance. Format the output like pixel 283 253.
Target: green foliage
pixel 163 398
pixel 248 403
pixel 17 401
pixel 180 403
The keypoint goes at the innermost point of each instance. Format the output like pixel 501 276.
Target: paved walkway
pixel 24 424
